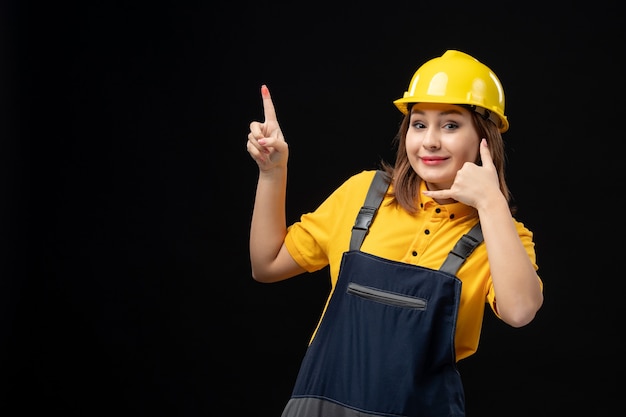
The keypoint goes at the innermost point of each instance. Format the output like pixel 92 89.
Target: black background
pixel 126 286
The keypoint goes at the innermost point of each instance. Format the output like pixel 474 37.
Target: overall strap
pixel 463 248
pixel 374 197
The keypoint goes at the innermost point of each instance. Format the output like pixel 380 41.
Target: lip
pixel 433 160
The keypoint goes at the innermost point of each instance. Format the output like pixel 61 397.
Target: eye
pixel 418 125
pixel 450 126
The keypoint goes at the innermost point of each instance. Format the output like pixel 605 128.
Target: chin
pixel 438 180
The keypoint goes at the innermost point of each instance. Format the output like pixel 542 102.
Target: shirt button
pixel 427 231
pixel 414 253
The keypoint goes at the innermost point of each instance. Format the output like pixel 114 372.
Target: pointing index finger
pixel 268 105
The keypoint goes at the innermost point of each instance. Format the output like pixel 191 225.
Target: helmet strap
pixel 485 114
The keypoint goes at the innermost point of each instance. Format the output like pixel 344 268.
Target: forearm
pixel 516 284
pixel 268 226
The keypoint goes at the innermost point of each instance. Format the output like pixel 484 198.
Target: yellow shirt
pixel 320 238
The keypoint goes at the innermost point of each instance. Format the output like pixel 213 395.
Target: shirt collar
pixel 456 210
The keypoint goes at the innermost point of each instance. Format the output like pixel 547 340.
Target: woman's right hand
pixel 266 144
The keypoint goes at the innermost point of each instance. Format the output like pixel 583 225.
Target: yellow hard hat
pixel 457 78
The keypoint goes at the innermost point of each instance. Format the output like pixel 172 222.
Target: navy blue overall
pixel 385 346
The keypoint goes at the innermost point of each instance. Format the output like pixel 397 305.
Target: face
pixel 440 139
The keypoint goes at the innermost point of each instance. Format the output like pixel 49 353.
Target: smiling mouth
pixel 433 161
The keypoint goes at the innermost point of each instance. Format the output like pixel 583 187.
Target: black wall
pixel 128 192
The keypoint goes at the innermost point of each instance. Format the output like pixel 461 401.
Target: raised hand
pixel 266 143
pixel 473 183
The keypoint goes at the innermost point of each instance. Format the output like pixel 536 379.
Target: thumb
pixel 485 154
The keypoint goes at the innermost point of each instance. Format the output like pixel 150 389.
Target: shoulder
pixel 353 189
pixel 522 230
pixel 360 180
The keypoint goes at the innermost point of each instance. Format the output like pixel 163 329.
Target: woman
pixel 396 322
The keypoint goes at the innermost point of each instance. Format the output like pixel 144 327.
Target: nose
pixel 431 139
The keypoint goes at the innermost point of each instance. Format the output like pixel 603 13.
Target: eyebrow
pixel 443 113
